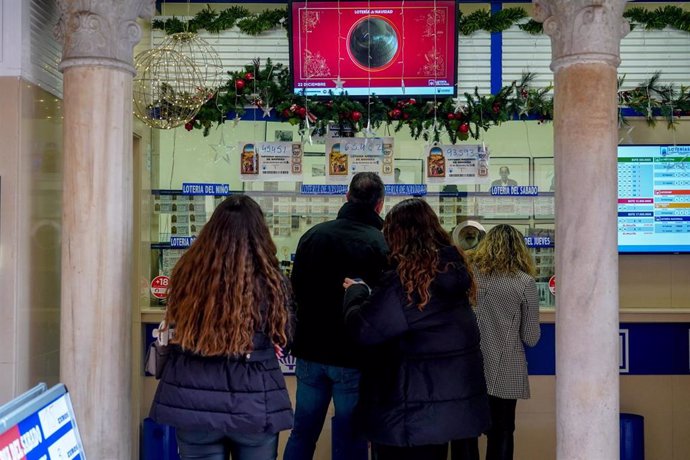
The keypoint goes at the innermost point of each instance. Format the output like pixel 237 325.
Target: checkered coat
pixel 508 316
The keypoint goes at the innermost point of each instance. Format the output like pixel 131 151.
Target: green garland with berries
pixel 267 89
pixel 257 23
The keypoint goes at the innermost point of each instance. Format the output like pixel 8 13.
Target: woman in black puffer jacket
pixel 424 384
pixel 222 388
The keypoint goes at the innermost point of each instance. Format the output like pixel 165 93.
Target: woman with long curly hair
pixel 222 387
pixel 508 314
pixel 424 383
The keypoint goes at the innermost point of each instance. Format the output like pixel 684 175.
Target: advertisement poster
pixel 271 161
pixel 384 45
pixel 456 164
pixel 346 157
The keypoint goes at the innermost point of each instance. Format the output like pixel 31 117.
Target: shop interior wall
pixel 647 282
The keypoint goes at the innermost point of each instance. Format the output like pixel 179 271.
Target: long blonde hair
pixel 503 251
pixel 228 284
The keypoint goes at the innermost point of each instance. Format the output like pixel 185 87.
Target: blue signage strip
pixel 310 189
pixel 645 349
pixel 178 242
pixel 515 190
pixel 205 189
pixel 535 241
pixel 406 189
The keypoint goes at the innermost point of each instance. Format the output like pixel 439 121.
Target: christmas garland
pixel 258 23
pixel 268 90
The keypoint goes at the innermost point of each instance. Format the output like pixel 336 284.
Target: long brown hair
pixel 414 236
pixel 503 251
pixel 219 285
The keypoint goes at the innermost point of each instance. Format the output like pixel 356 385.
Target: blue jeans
pixel 316 385
pixel 210 445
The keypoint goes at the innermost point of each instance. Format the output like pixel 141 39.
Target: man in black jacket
pixel 351 245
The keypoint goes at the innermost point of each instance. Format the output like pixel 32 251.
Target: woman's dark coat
pixel 424 382
pixel 224 394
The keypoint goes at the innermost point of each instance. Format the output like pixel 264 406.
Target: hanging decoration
pixel 167 89
pixel 204 57
pixel 655 100
pixel 462 117
pixel 481 20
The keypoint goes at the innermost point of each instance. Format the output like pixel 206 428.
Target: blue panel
pixel 658 348
pixel 541 359
pixel 496 55
pixel 653 349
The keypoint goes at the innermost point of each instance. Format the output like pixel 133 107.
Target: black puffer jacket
pixel 352 245
pixel 228 395
pixel 425 380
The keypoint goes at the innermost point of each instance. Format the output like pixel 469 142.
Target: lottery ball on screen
pixel 373 42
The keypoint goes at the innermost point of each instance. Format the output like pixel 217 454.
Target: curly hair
pixel 414 236
pixel 503 251
pixel 228 284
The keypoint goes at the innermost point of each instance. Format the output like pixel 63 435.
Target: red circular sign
pixel 552 284
pixel 159 287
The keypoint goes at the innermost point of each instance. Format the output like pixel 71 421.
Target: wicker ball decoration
pixel 203 55
pixel 168 89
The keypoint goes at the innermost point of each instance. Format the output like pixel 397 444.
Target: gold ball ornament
pixel 203 55
pixel 167 89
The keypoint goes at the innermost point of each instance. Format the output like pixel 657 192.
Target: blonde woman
pixel 508 314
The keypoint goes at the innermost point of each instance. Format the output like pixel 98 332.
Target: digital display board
pixel 387 48
pixel 653 198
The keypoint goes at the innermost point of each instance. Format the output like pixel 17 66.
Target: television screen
pixel 382 47
pixel 653 198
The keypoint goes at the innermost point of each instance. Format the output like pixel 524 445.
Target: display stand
pixel 40 424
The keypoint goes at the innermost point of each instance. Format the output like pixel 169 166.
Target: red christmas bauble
pixel 395 113
pixel 249 76
pixel 301 111
pixel 464 128
pixel 451 116
pixel 239 85
pixel 286 113
pixel 496 108
pixel 356 116
pixel 189 126
pixel 411 101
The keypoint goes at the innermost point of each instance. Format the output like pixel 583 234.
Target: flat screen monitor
pixel 654 199
pixel 382 47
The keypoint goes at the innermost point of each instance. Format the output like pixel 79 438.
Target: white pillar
pixel 585 40
pixel 95 342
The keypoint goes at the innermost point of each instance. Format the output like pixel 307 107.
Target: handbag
pixel 158 353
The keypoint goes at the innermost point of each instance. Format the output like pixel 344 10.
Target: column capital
pixel 100 32
pixel 583 30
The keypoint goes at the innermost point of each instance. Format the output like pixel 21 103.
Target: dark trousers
pixel 499 438
pixel 209 445
pixel 430 452
pixel 464 449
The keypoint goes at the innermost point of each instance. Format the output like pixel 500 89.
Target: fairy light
pixel 339 82
pixel 435 65
pixel 369 64
pixel 402 51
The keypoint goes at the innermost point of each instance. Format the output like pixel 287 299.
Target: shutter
pixel 45 52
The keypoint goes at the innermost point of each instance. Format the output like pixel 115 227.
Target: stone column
pixel 95 330
pixel 585 41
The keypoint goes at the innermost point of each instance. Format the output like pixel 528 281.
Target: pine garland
pixel 268 89
pixel 258 23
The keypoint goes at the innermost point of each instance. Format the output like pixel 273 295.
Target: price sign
pixel 552 284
